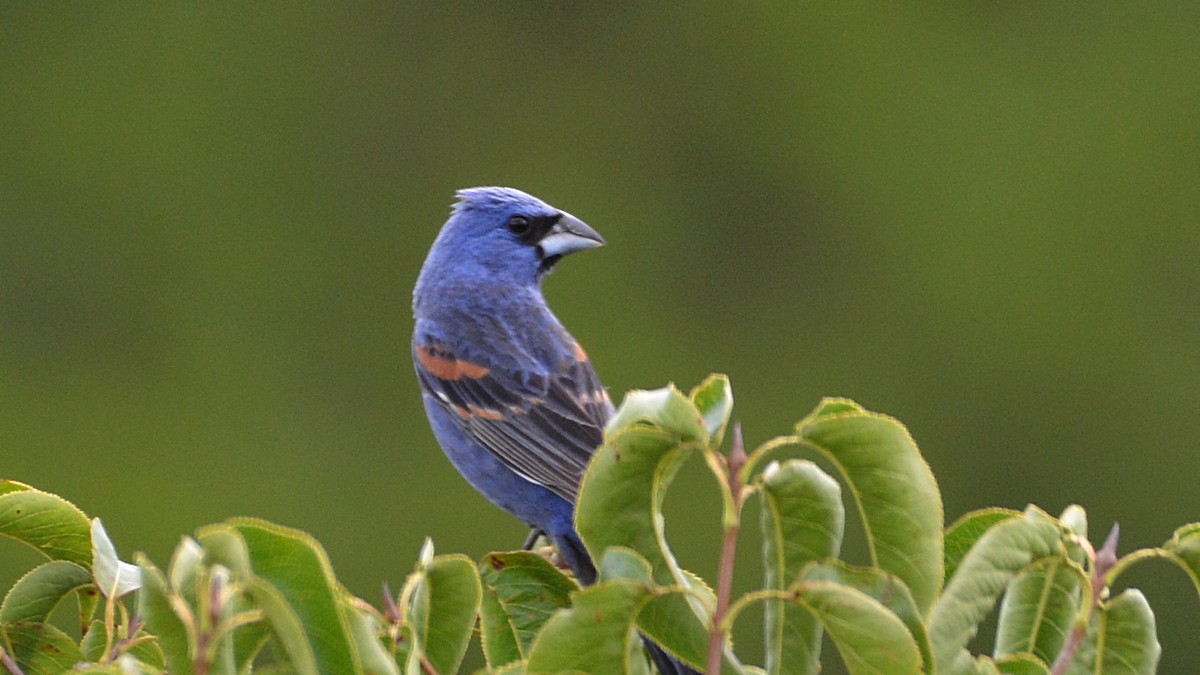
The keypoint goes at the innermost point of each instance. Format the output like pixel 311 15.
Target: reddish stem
pixel 1102 562
pixel 131 629
pixel 733 467
pixel 204 639
pixel 9 663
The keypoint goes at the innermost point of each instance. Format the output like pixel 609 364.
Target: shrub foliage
pixel 246 595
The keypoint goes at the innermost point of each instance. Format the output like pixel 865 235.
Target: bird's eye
pixel 519 225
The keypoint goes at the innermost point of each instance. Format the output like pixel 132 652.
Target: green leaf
pixel 833 406
pixel 885 589
pixel 714 399
pixel 1038 610
pixel 965 531
pixel 92 644
pixel 620 504
pixel 1021 664
pixel 224 545
pixel 1074 519
pixel 802 520
pixel 184 568
pixel 892 486
pixel 621 497
pixel 125 664
pixel 619 562
pixel 40 648
pixel 1184 550
pixel 1121 639
pixel 996 559
pixel 286 625
pixel 113 577
pixel 37 593
pixel 596 635
pixel 250 638
pixel 665 409
pixel 49 523
pixel 524 590
pixel 89 599
pixel 294 564
pixel 442 613
pixel 365 630
pixel 159 607
pixel 514 668
pixel 496 634
pixel 147 653
pixel 7 486
pixel 870 638
pixel 403 649
pixel 1040 605
pixel 662 612
pixel 221 547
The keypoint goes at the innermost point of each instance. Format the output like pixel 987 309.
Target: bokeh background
pixel 978 217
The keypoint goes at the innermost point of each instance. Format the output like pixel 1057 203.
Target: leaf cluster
pixel 249 596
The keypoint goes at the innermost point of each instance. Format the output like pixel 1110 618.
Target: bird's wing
pixel 544 426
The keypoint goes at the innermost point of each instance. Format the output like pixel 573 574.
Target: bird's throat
pixel 547 264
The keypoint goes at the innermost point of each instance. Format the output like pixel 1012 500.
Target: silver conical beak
pixel 568 235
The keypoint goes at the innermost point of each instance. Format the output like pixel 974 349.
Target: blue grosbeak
pixel 511 396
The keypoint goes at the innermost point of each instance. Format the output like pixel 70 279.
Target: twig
pixel 204 640
pixel 110 621
pixel 131 628
pixel 737 459
pixel 391 612
pixel 1102 563
pixel 9 663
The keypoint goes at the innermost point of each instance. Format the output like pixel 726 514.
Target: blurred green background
pixel 978 217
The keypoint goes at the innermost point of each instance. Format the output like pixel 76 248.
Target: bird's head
pixel 507 234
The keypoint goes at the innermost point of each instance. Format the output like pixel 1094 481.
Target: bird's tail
pixel 576 556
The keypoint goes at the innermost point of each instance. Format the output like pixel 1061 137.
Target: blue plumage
pixel 512 398
pixel 511 401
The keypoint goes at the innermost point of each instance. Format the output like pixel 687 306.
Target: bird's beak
pixel 568 235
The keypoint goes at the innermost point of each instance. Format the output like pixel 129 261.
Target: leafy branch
pixel 727 471
pixel 248 595
pixel 1102 562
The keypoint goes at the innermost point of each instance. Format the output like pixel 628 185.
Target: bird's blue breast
pixel 498 326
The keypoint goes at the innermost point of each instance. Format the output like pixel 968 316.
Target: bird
pixel 512 398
